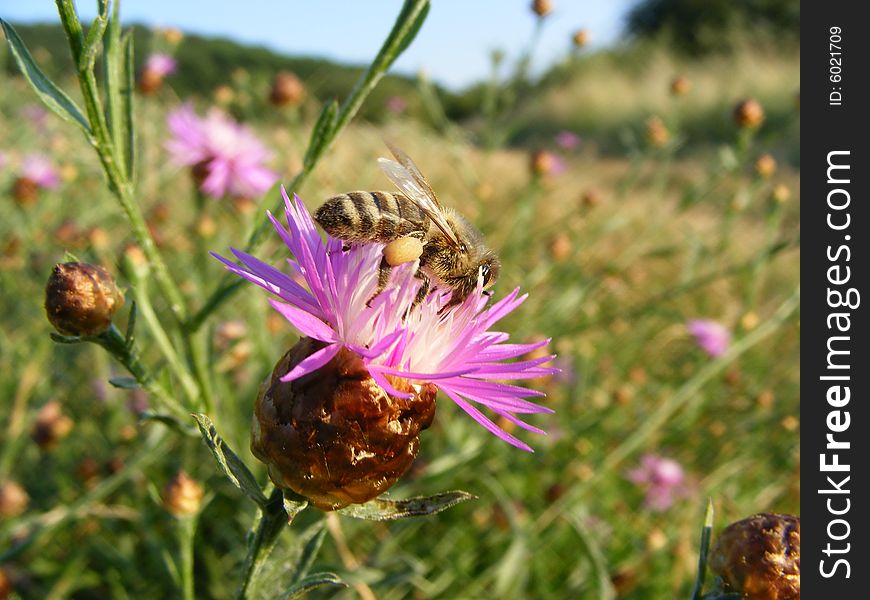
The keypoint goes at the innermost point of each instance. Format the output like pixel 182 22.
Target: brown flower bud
pixel 335 436
pixel 182 496
pixel 542 7
pixel 6 587
pixel 748 113
pixel 287 90
pixel 543 163
pixel 80 299
pixel 780 193
pixel 51 426
pixel 657 133
pixel 760 557
pixel 224 95
pixel 173 36
pixel 13 499
pixel 561 247
pixel 765 165
pixel 149 82
pixel 680 86
pixel 25 191
pixel 590 198
pixel 580 38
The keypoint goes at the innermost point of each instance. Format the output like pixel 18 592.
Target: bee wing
pixel 417 190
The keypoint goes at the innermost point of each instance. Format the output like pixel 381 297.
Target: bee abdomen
pixel 369 216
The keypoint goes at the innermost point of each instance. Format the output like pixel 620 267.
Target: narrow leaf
pixel 113 76
pixel 315 535
pixel 130 334
pixel 229 462
pixel 127 95
pixel 321 133
pixel 302 587
pixel 389 510
pixel 51 95
pixel 293 506
pixel 92 44
pixel 66 339
pixel 411 32
pixel 124 383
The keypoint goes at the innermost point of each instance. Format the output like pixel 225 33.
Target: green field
pixel 617 253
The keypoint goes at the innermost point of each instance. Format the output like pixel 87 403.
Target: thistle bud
pixel 6 587
pixel 287 90
pixel 780 193
pixel 80 299
pixel 25 191
pixel 13 499
pixel 765 165
pixel 680 86
pixel 580 38
pixel 334 435
pixel 748 114
pixel 542 7
pixel 543 163
pixel 182 496
pixel 760 557
pixel 51 426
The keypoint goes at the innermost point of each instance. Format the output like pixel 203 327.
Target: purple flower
pixel 567 140
pixel 714 338
pixel 455 349
pixel 227 159
pixel 397 104
pixel 662 478
pixel 160 64
pixel 38 169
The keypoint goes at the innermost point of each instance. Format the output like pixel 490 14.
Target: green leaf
pixel 293 506
pixel 124 383
pixel 381 509
pixel 315 535
pixel 130 334
pixel 127 93
pixel 92 44
pixel 321 134
pixel 412 31
pixel 66 339
pixel 51 95
pixel 114 72
pixel 229 462
pixel 303 586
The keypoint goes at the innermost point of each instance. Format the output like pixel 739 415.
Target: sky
pixel 453 46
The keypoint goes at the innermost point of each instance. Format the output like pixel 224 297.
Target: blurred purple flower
pixel 455 349
pixel 714 338
pixel 567 140
pixel 226 158
pixel 37 115
pixel 397 104
pixel 4 160
pixel 160 64
pixel 662 478
pixel 38 169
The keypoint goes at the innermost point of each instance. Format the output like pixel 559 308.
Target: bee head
pixel 489 269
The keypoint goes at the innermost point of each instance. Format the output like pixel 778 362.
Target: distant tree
pixel 705 25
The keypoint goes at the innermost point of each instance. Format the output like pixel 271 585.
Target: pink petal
pixel 313 362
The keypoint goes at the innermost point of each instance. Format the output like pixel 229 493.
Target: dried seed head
pixel 748 113
pixel 580 38
pixel 80 299
pixel 287 90
pixel 542 7
pixel 13 499
pixel 335 436
pixel 760 557
pixel 765 165
pixel 403 250
pixel 680 86
pixel 51 426
pixel 182 496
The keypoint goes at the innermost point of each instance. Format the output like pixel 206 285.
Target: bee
pixel 413 224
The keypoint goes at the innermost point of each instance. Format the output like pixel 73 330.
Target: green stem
pixel 393 46
pixel 270 523
pixel 118 183
pixel 186 530
pixel 706 532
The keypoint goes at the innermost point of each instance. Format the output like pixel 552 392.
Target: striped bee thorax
pixel 370 217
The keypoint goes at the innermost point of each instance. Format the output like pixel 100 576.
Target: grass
pixel 563 522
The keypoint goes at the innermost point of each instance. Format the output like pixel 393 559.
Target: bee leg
pixel 424 286
pixel 383 279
